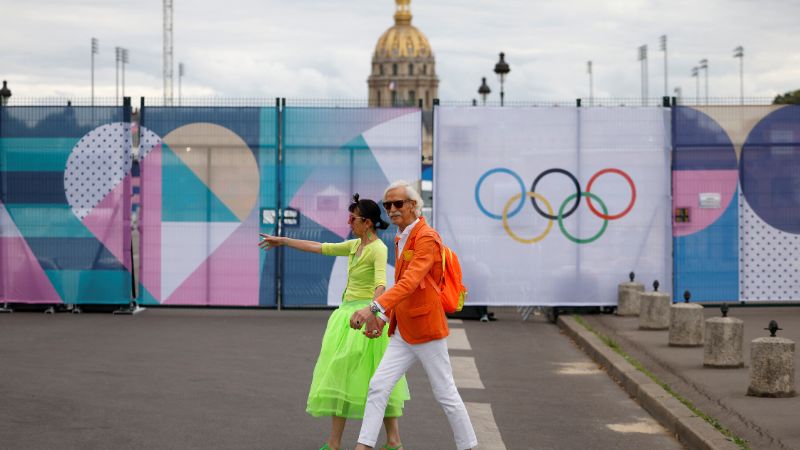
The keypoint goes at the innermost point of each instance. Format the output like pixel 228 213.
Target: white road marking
pixel 457 340
pixel 578 368
pixel 466 375
pixel 455 321
pixel 489 437
pixel 465 372
pixel 646 426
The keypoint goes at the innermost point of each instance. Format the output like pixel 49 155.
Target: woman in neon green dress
pixel 348 358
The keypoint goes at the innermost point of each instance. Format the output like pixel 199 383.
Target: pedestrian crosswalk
pixel 467 376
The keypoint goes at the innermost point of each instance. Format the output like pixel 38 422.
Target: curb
pixel 691 430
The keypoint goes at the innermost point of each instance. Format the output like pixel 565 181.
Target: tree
pixel 789 98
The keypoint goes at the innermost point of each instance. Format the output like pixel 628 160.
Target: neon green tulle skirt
pixel 345 365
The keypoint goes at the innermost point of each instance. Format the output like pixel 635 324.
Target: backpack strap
pixel 428 276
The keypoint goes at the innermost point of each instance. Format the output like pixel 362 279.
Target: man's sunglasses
pixel 397 204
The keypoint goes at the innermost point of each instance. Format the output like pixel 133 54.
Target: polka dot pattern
pixel 147 142
pixel 98 162
pixel 769 259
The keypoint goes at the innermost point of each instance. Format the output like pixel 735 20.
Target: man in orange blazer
pixel 417 323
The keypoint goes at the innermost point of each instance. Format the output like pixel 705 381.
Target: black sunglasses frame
pixel 397 204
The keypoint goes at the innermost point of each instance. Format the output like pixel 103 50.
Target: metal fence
pixel 268 101
pixel 758 146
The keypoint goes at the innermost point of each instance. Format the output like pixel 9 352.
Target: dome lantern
pixel 402 15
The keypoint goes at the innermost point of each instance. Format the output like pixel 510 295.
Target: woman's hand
pixel 360 317
pixel 374 328
pixel 268 241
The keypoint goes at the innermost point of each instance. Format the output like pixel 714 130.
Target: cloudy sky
pixel 322 49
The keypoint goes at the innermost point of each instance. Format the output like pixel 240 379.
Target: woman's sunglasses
pixel 397 204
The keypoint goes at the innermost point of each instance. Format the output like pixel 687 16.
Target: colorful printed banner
pixel 330 154
pixel 736 182
pixel 65 205
pixel 553 206
pixel 205 172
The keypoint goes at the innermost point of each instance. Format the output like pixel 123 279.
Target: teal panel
pixel 357 143
pixel 35 154
pixel 92 286
pixel 267 158
pixel 49 221
pixel 145 298
pixel 184 196
pixel 268 128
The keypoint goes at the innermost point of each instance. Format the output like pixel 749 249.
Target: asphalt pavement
pixel 210 378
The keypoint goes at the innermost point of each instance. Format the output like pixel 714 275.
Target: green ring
pixel 564 230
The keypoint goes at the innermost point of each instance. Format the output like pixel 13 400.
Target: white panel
pixel 395 148
pixel 8 229
pixel 499 270
pixel 184 246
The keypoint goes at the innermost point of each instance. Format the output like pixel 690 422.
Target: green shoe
pixel 325 447
pixel 386 447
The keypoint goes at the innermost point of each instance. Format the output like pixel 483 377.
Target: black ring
pixel 577 195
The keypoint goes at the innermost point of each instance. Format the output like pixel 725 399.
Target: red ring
pixel 630 205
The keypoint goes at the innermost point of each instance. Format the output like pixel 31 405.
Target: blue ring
pixel 521 188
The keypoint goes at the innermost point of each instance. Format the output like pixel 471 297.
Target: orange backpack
pixel 451 289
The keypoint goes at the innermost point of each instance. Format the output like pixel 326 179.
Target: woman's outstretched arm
pixel 267 242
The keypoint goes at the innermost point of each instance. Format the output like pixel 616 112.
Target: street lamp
pixel 645 82
pixel 181 72
pixel 5 94
pixel 117 59
pixel 502 69
pixel 738 52
pixel 591 84
pixel 663 42
pixel 696 75
pixel 124 61
pixel 484 90
pixel 704 65
pixel 95 49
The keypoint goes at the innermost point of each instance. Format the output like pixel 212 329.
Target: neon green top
pixel 364 273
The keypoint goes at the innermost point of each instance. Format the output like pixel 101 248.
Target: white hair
pixel 411 193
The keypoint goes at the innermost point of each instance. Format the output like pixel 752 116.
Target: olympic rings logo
pixel 535 198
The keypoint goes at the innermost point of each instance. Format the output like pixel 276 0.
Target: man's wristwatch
pixel 374 307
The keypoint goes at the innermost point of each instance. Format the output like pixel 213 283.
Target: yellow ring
pixel 549 221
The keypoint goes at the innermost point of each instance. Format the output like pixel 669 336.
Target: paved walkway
pixel 201 378
pixel 764 422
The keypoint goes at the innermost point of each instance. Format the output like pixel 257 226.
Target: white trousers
pixel 399 357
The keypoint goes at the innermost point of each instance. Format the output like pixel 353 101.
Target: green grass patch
pixel 640 367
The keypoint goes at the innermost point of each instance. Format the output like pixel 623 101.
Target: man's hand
pixel 374 327
pixel 360 317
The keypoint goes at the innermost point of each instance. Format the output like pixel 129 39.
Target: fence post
pixel 280 106
pixel 132 307
pixel 4 308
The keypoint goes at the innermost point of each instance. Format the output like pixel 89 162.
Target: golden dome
pixel 403 40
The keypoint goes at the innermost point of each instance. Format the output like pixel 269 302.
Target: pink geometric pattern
pixel 22 278
pixel 104 219
pixel 235 263
pixel 687 187
pixel 150 220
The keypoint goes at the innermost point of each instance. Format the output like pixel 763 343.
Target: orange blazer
pixel 412 304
